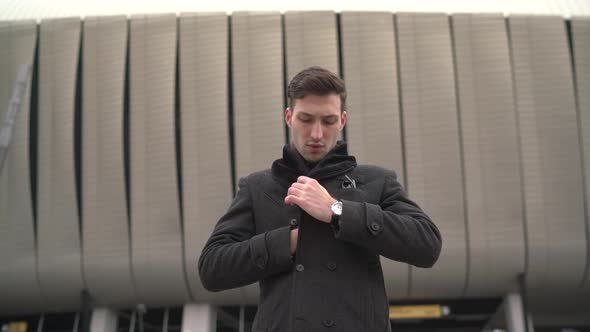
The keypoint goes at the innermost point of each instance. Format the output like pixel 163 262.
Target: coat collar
pixel 292 165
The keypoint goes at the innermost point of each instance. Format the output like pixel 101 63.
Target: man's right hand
pixel 294 233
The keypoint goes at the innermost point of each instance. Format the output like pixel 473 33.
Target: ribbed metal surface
pixel 18 284
pixel 206 169
pixel 311 40
pixel 373 129
pixel 493 181
pixel 158 263
pixel 508 111
pixel 18 9
pixel 58 224
pixel 556 231
pixel 581 49
pixel 106 234
pixel 257 71
pixel 432 146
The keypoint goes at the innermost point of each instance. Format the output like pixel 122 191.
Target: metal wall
pixel 40 9
pixel 142 126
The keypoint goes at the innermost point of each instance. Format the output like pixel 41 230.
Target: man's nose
pixel 316 131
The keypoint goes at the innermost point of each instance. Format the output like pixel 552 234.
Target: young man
pixel 311 229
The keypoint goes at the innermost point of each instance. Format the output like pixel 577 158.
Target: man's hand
pixel 309 195
pixel 294 235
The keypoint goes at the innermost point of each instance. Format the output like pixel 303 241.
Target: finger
pixel 294 191
pixel 303 179
pixel 291 199
pixel 298 185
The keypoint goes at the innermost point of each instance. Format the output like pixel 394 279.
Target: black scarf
pixel 292 165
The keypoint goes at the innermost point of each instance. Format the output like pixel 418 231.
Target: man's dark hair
pixel 316 81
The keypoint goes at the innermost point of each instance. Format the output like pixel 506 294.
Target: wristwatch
pixel 336 213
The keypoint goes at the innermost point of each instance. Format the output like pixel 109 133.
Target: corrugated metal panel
pixel 257 66
pixel 545 104
pixel 19 9
pixel 581 48
pixel 431 134
pixel 158 264
pixel 544 93
pixel 311 40
pixel 493 183
pixel 59 247
pixel 206 168
pixel 107 261
pixel 373 128
pixel 18 284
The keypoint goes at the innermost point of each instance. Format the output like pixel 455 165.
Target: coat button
pixel 332 266
pixel 299 267
pixel 375 226
pixel 293 222
pixel 328 323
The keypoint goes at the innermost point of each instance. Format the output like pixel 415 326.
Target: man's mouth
pixel 315 146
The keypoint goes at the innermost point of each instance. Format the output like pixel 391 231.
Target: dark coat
pixel 335 280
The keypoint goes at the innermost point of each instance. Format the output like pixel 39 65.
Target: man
pixel 310 229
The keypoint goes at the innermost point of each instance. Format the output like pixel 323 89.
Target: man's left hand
pixel 308 194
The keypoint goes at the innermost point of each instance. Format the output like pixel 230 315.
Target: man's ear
pixel 343 120
pixel 288 116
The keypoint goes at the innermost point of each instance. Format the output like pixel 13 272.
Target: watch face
pixel 337 208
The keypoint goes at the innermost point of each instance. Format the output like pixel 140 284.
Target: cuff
pixel 358 222
pixel 271 251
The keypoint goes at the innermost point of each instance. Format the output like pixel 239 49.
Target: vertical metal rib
pixel 206 165
pixel 59 245
pixel 581 53
pixel 311 40
pixel 374 135
pixel 488 126
pixel 432 145
pixel 18 283
pixel 107 258
pixel 550 156
pixel 155 212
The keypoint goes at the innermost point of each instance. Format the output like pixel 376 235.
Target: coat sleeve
pixel 235 255
pixel 396 228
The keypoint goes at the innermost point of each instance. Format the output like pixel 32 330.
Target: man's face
pixel 315 123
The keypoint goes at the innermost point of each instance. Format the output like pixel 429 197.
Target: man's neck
pixel 308 163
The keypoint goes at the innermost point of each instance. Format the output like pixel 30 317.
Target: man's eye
pixel 329 122
pixel 305 120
